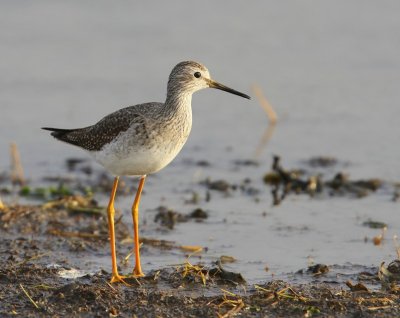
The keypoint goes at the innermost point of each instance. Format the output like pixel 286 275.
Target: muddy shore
pixel 42 244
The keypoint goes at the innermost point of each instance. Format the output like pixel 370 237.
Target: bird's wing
pixel 94 137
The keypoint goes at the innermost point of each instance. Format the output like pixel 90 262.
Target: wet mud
pixel 35 281
pixel 306 181
pixel 45 244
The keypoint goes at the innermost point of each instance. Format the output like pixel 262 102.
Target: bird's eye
pixel 197 74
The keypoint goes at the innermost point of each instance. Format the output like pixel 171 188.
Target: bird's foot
pixel 116 278
pixel 137 272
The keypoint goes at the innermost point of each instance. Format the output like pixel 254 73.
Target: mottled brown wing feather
pixel 93 138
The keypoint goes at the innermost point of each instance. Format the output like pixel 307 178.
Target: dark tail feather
pixel 57 132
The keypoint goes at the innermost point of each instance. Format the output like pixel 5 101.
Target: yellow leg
pixel 137 272
pixel 111 212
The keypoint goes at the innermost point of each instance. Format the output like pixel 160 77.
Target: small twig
pixel 263 289
pixel 272 116
pixel 137 281
pixel 17 172
pixel 77 234
pixel 362 300
pixel 227 292
pixel 396 245
pixel 195 270
pixel 109 285
pixel 282 293
pixel 377 240
pixel 298 295
pixel 236 304
pixel 236 308
pixel 194 249
pixel 127 257
pixel 379 307
pixel 266 137
pixel 30 298
pixel 26 260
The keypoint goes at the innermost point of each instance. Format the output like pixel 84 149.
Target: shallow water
pixel 330 69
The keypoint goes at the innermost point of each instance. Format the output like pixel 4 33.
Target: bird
pixel 142 139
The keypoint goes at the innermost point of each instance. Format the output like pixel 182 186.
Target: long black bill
pixel 214 84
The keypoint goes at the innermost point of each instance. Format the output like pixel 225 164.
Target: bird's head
pixel 190 77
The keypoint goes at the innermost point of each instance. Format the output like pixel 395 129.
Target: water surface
pixel 331 70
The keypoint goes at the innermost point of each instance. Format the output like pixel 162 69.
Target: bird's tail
pixel 58 133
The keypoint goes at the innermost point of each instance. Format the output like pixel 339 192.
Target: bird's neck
pixel 178 103
pixel 178 113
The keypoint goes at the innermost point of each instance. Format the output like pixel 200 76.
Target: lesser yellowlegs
pixel 142 139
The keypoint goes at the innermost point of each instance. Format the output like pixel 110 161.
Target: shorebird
pixel 142 139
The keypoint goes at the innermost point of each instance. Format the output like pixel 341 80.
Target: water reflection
pixel 272 120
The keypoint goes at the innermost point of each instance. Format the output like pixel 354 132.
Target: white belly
pixel 137 161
